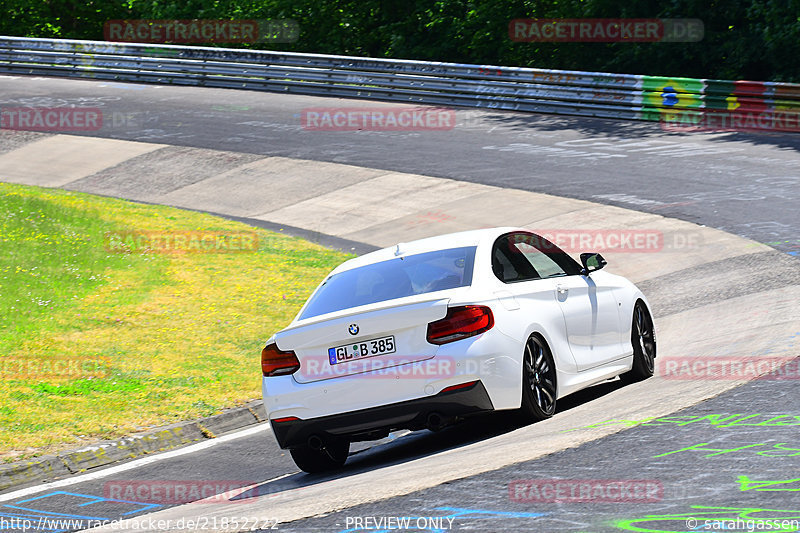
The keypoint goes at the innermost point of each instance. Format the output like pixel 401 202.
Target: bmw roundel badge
pixel 353 329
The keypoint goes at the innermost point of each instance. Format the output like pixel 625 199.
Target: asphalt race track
pixel 716 478
pixel 732 455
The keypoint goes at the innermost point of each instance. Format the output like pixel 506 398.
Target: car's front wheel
pixel 321 459
pixel 538 380
pixel 643 339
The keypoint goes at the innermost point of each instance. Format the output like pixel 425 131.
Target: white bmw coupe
pixel 424 333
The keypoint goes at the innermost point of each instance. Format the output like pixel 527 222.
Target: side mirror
pixel 592 262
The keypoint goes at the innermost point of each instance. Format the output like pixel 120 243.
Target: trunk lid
pixel 335 346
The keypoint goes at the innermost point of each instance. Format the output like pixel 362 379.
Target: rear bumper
pixel 411 414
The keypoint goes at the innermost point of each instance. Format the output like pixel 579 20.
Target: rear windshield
pixel 395 278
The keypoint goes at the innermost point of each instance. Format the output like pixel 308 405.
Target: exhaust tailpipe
pixel 436 421
pixel 315 443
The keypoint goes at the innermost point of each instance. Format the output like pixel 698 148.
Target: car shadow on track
pixel 401 448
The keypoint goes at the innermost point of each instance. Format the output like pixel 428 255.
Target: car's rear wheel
pixel 643 339
pixel 315 460
pixel 538 380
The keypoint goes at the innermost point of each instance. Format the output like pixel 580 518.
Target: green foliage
pixel 744 39
pixel 52 255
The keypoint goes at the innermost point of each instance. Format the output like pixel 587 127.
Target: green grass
pixel 173 336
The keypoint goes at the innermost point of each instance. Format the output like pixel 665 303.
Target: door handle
pixel 561 289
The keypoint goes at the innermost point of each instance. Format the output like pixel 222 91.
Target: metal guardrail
pixel 593 94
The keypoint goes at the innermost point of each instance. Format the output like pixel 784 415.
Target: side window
pixel 544 265
pixel 509 263
pixel 525 256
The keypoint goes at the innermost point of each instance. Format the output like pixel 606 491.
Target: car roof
pixel 429 244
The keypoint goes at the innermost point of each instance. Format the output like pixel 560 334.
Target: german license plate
pixel 361 350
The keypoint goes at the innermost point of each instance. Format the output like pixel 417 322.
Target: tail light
pixel 276 362
pixel 284 419
pixel 460 323
pixel 458 387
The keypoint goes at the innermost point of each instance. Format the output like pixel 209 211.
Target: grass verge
pixel 97 344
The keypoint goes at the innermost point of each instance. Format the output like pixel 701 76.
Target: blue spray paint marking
pixel 40 516
pixel 669 97
pixel 91 500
